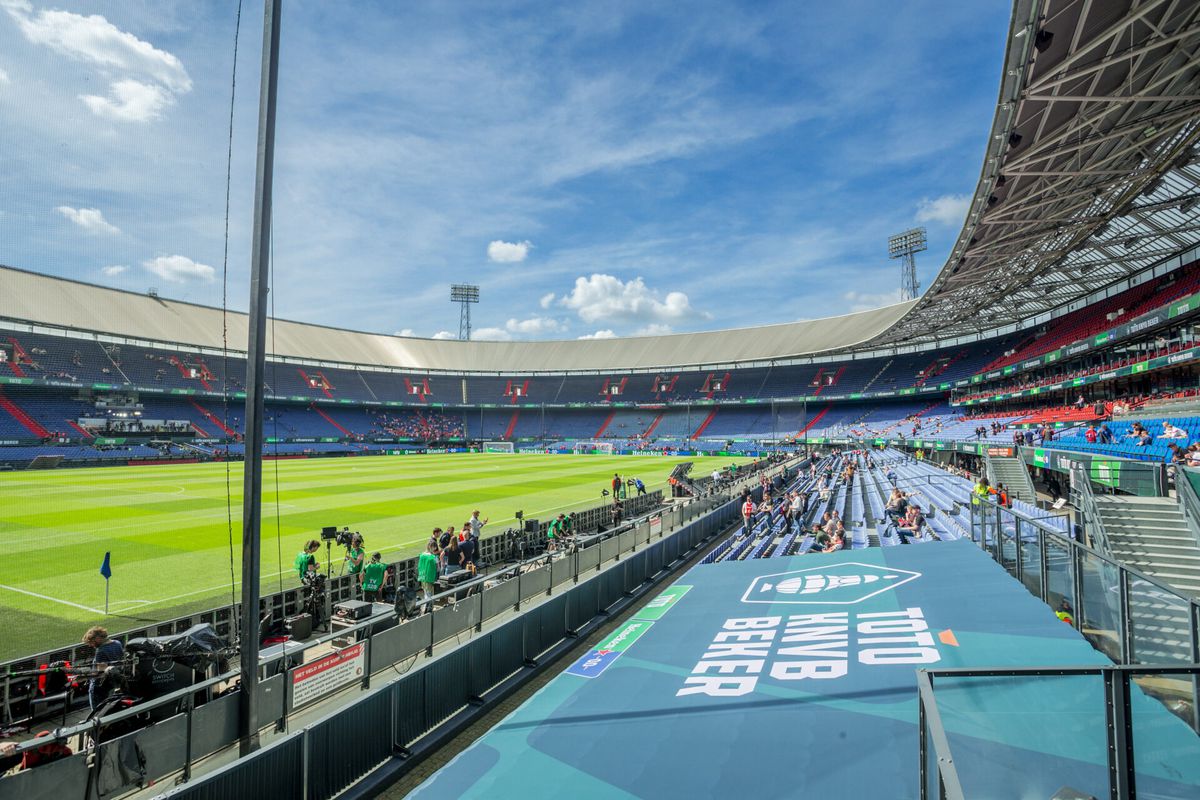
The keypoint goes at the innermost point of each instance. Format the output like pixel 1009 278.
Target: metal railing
pixel 1084 500
pixel 1187 486
pixel 1125 614
pixel 942 776
pixel 577 583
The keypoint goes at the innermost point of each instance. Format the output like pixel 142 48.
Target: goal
pixel 499 447
pixel 594 447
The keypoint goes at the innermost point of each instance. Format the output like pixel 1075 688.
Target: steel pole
pixel 255 363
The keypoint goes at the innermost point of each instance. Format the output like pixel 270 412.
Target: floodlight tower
pixel 464 295
pixel 905 246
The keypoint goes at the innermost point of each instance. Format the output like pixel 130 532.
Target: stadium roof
pixel 1090 171
pixel 1091 174
pixel 61 303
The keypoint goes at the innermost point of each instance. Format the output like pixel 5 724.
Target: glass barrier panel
pixel 1060 578
pixel 1026 736
pixel 1159 621
pixel 1100 609
pixel 1166 749
pixel 1031 562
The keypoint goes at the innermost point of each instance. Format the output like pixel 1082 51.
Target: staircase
pixel 875 377
pixel 707 421
pixel 1151 535
pixel 603 426
pixel 29 423
pixel 1011 472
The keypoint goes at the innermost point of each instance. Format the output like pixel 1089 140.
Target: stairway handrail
pixel 1189 498
pixel 1084 501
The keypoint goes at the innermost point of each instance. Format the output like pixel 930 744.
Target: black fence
pixel 325 757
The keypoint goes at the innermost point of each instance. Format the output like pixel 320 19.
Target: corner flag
pixel 106 571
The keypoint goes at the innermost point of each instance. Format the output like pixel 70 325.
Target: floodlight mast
pixel 905 246
pixel 464 295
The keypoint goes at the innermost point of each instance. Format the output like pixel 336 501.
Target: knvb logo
pixel 835 584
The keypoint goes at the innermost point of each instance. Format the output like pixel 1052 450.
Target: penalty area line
pixel 52 599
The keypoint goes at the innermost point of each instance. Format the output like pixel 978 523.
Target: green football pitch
pixel 168 526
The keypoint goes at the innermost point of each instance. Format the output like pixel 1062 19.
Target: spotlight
pixel 1042 41
pixel 1014 139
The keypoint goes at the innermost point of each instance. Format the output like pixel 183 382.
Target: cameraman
pixel 108 652
pixel 355 555
pixel 305 560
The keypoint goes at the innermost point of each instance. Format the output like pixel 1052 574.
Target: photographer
pixel 306 560
pixel 108 652
pixel 374 576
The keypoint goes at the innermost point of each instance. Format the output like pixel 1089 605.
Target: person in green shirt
pixel 374 575
pixel 557 532
pixel 305 560
pixel 355 555
pixel 427 570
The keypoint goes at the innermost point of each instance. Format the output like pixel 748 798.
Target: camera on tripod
pixel 342 538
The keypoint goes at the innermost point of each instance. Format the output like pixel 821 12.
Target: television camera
pixel 333 537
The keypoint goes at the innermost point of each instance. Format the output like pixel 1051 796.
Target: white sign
pixel 319 678
pixel 656 525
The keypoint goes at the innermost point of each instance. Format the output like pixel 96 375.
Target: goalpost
pixel 593 447
pixel 499 447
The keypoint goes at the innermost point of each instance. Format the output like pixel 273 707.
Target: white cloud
pixel 547 300
pixel 179 269
pixel 601 334
pixel 533 325
pixel 508 252
pixel 409 332
pixel 130 101
pixel 949 209
pixel 90 219
pixel 443 335
pixel 491 334
pixel 4 78
pixel 143 79
pixel 653 329
pixel 114 270
pixel 604 297
pixel 865 301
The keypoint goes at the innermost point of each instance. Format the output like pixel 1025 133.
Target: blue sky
pixel 598 169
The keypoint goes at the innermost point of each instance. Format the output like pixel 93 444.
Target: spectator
pixel 1090 434
pixel 1104 435
pixel 477 524
pixel 748 510
pixel 911 525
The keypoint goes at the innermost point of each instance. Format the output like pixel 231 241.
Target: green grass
pixel 167 526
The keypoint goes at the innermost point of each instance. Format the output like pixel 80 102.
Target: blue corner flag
pixel 106 571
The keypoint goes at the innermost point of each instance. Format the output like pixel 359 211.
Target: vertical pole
pixel 255 363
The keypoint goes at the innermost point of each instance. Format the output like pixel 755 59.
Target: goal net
pixel 594 447
pixel 498 447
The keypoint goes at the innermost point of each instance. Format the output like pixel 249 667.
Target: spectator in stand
pixel 1145 439
pixel 910 526
pixel 1178 454
pixel 1171 432
pixel 1193 453
pixel 748 510
pixel 1104 435
pixel 1090 434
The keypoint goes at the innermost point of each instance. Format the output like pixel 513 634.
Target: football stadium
pixel 776 535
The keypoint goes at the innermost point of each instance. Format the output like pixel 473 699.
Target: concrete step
pixel 1137 502
pixel 1158 555
pixel 1148 527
